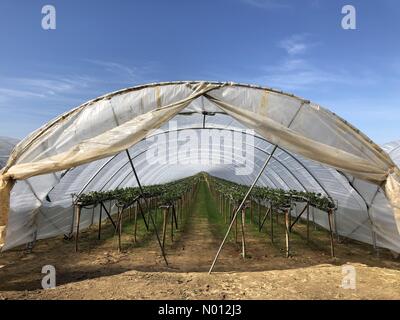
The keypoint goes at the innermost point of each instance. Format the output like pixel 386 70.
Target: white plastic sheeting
pixel 41 205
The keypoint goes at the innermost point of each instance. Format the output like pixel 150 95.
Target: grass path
pixel 201 237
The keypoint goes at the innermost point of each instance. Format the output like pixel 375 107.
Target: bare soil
pixel 98 271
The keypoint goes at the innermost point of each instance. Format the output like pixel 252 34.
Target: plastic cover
pixel 84 150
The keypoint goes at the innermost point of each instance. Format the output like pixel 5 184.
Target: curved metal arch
pixel 96 173
pixel 233 130
pixel 259 149
pixel 273 183
pixel 394 149
pixel 210 128
pixel 275 172
pixel 260 138
pixel 308 171
pixel 236 130
pixel 161 168
pixel 218 84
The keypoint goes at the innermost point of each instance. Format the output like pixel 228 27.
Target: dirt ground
pixel 98 271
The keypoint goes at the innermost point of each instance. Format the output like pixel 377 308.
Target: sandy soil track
pixel 98 271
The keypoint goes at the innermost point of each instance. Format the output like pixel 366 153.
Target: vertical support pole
pixel 330 213
pixel 229 210
pixel 225 207
pixel 172 224
pixel 91 223
pixel 100 214
pixel 221 197
pixel 156 210
pixel 119 228
pixel 78 209
pixel 313 218
pixel 287 226
pixel 271 221
pixel 165 215
pixel 259 214
pixel 180 210
pixel 243 237
pixel 308 221
pixel 135 222
pixel 251 211
pixel 174 215
pixel 236 228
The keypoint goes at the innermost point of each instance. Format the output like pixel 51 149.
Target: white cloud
pixel 116 68
pixel 296 44
pixel 13 93
pixel 294 74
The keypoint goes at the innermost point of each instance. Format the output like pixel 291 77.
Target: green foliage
pixel 167 193
pixel 277 197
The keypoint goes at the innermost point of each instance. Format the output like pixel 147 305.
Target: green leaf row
pixel 279 198
pixel 167 193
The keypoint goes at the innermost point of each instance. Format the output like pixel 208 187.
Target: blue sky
pixel 297 46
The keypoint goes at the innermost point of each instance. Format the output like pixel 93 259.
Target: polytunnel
pixel 172 130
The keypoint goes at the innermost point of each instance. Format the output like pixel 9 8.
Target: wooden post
pixel 330 216
pixel 287 223
pixel 226 209
pixel 271 221
pixel 313 218
pixel 101 211
pixel 187 209
pixel 223 205
pixel 236 229
pixel 78 209
pixel 180 210
pixel 155 211
pixel 91 223
pixel 119 228
pixel 251 211
pixel 308 222
pixel 135 222
pixel 172 224
pixel 165 216
pixel 259 213
pixel 148 211
pixel 243 238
